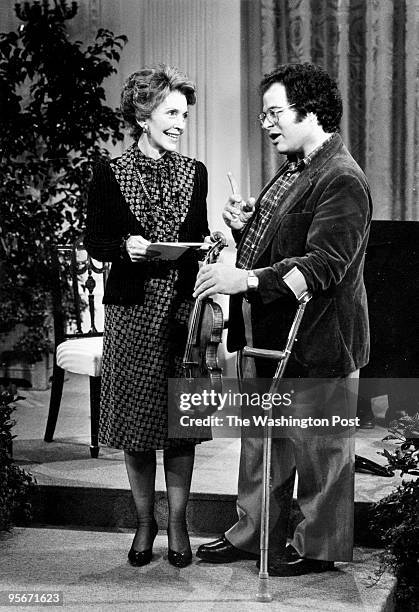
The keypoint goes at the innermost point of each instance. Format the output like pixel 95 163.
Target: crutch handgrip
pixel 249 351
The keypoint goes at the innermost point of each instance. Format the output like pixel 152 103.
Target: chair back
pixel 88 278
pixel 77 298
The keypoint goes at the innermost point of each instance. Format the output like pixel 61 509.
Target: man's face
pixel 289 135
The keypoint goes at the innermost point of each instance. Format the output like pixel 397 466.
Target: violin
pixel 205 330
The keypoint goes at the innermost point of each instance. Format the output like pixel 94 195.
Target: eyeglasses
pixel 272 114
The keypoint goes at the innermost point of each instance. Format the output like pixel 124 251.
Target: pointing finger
pixel 233 183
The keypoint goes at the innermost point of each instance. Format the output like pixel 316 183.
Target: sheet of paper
pixel 173 250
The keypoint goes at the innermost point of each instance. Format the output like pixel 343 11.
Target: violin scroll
pixel 219 242
pixel 218 237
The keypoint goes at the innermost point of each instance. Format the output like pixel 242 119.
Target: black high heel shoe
pixel 179 559
pixel 143 557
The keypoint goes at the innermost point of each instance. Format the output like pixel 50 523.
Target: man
pixel 307 231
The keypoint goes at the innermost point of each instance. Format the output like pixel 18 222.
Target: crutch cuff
pixel 295 280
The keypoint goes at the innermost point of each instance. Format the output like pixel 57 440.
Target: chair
pixel 77 351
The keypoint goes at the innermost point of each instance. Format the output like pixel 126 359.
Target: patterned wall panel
pixel 411 110
pixel 356 65
pixel 342 64
pixel 325 34
pixel 273 51
pixel 398 97
pixel 271 22
pixel 372 48
pixel 379 72
pixel 299 31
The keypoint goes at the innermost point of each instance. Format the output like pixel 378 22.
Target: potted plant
pixel 396 518
pixel 16 485
pixel 54 124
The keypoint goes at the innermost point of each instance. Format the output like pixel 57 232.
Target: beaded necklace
pixel 144 188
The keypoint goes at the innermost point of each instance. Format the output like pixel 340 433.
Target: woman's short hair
pixel 145 89
pixel 311 90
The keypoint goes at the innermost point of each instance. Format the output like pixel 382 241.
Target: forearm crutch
pixel 282 358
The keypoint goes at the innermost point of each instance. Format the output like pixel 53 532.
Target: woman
pixel 150 193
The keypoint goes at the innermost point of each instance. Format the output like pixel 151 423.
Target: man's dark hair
pixel 311 90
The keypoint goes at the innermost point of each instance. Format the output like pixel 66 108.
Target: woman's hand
pixel 136 248
pixel 237 212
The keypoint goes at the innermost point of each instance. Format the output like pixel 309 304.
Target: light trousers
pixel 325 467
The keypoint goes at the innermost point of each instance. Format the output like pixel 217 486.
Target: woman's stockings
pixel 178 466
pixel 141 469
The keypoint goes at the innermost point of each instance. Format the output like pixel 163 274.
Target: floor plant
pixel 54 124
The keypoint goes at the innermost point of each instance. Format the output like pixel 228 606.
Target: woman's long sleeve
pixel 105 221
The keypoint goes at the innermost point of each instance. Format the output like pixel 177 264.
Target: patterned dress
pixel 144 344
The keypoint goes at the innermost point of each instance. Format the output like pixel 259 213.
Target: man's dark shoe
pixel 287 555
pixel 366 416
pixel 222 551
pixel 299 567
pixel 290 554
pixel 367 422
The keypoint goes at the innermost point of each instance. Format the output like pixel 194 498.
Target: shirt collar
pixel 297 165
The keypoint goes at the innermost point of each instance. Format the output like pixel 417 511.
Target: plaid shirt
pixel 269 202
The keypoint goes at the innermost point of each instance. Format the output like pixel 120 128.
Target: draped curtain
pixel 372 48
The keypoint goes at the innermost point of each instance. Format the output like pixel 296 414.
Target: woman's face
pixel 167 123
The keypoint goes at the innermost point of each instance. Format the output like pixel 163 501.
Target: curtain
pixel 372 48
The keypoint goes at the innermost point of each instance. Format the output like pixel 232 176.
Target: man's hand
pixel 237 212
pixel 219 278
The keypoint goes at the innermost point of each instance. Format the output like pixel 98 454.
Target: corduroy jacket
pixel 322 228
